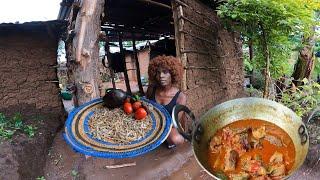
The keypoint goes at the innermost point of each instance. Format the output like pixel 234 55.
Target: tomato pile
pixel 134 105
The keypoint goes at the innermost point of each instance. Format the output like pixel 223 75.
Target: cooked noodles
pixel 116 127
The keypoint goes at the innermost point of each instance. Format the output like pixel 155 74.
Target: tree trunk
pixel 86 50
pixel 305 63
pixel 250 45
pixel 267 59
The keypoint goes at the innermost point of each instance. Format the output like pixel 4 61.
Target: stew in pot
pixel 251 149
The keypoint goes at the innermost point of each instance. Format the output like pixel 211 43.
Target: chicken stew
pixel 251 149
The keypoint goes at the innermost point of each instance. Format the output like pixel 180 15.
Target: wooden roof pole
pixel 135 52
pixel 86 50
pixel 107 50
pixel 123 58
pixel 156 3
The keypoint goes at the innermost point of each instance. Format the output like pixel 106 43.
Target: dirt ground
pixel 64 163
pixel 179 163
pixel 162 163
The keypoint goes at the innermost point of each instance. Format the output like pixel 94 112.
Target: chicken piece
pixel 277 170
pixel 255 168
pixel 244 141
pixel 230 160
pixel 273 140
pixel 245 159
pixel 241 130
pixel 259 132
pixel 255 143
pixel 227 135
pixel 215 144
pixel 240 176
pixel 276 158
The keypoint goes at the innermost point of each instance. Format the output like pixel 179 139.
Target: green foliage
pixel 8 126
pixel 301 99
pixel 283 22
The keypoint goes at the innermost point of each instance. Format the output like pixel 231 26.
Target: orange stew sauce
pixel 217 159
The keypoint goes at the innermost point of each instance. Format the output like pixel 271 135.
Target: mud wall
pixel 28 56
pixel 210 54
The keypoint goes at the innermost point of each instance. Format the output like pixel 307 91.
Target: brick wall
pixel 28 55
pixel 212 55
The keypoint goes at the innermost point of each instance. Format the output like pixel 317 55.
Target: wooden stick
pixel 107 50
pixel 194 51
pixel 135 52
pixel 196 24
pixel 120 165
pixel 193 35
pixel 156 3
pixel 201 67
pixel 123 58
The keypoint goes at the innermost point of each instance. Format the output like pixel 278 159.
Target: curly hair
pixel 167 62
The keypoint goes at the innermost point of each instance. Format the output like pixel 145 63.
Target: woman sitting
pixel 165 73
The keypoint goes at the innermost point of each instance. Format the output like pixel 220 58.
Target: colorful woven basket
pixel 78 137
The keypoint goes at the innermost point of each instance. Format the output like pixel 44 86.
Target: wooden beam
pixel 156 3
pixel 107 50
pixel 123 58
pixel 135 52
pixel 180 39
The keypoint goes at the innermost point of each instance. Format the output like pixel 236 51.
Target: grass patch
pixel 9 126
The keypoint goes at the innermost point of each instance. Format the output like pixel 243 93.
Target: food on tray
pixel 127 108
pixel 114 98
pixel 251 149
pixel 140 114
pixel 134 105
pixel 113 125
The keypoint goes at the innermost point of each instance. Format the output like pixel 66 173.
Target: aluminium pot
pixel 241 109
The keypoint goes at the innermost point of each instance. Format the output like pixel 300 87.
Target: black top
pixel 172 103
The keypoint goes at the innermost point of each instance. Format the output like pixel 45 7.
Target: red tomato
pixel 136 105
pixel 140 113
pixel 127 107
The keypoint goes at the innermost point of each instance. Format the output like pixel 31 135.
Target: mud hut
pixel 211 55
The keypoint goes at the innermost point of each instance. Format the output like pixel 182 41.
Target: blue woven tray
pixel 78 137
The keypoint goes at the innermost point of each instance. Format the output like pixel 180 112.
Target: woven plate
pixel 77 133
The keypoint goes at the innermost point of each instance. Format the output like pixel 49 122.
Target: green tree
pixel 267 24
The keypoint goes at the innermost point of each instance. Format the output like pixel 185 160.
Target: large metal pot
pixel 240 109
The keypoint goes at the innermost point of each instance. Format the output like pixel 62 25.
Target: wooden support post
pixel 135 52
pixel 107 50
pixel 123 58
pixel 86 50
pixel 180 47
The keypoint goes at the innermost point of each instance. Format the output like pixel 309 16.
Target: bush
pixel 302 99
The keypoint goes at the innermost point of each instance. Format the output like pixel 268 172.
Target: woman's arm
pixel 182 99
